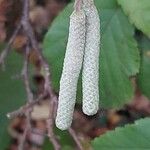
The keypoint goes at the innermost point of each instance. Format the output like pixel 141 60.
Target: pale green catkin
pixel 83 40
pixel 90 75
pixel 71 70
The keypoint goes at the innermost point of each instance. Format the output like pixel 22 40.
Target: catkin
pixel 71 70
pixel 90 75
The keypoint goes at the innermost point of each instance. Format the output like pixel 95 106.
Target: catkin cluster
pixel 82 50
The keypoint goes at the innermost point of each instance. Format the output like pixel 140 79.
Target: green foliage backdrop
pixel 119 57
pixel 130 137
pixel 12 94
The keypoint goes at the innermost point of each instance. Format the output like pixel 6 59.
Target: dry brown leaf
pixel 19 42
pixel 41 112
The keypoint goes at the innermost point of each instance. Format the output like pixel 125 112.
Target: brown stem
pixel 26 26
pixel 78 5
pixel 7 48
pixel 50 123
pixel 47 86
pixel 23 110
pixel 75 137
pixel 25 74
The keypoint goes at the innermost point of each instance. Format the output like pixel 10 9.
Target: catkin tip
pixel 90 111
pixel 61 126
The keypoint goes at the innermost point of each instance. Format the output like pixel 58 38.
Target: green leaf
pixel 12 94
pixel 138 12
pixel 144 75
pixel 131 137
pixel 119 57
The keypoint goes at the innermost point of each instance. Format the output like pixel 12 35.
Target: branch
pixel 26 130
pixel 23 110
pixel 8 46
pixel 26 26
pixel 25 74
pixel 74 136
pixel 78 5
pixel 47 85
pixel 50 123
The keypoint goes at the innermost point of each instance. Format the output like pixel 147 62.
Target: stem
pixel 78 5
pixel 5 52
pixel 74 136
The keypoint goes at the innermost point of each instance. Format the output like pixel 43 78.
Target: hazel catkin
pixel 71 70
pixel 90 75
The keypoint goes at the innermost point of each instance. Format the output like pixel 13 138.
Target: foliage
pixel 144 75
pixel 119 53
pixel 119 60
pixel 138 12
pixel 15 95
pixel 135 136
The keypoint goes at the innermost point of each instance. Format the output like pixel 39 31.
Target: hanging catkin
pixel 90 76
pixel 71 70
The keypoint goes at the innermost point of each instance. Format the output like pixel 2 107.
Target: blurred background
pixel 124 70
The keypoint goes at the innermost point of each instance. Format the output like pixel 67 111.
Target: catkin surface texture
pixel 90 75
pixel 71 70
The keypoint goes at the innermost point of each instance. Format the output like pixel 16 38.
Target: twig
pixel 22 110
pixel 74 136
pixel 25 74
pixel 7 48
pixel 78 5
pixel 50 124
pixel 47 85
pixel 23 138
pixel 26 26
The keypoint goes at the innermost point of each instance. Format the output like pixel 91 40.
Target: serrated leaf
pixel 12 94
pixel 131 137
pixel 119 57
pixel 144 75
pixel 138 12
